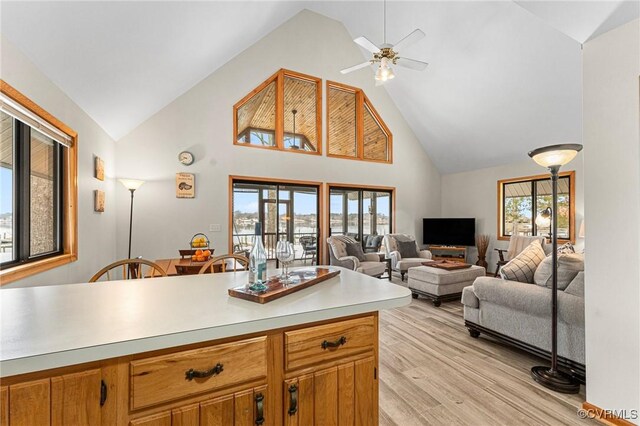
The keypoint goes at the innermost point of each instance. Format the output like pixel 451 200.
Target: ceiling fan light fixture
pixel 384 71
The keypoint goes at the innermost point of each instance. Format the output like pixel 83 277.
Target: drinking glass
pixel 283 253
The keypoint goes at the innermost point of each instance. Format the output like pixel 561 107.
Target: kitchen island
pixel 179 350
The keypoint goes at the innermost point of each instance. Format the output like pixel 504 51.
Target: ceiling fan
pixel 388 54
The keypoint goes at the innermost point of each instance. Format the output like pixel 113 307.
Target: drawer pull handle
pixel 341 341
pixel 195 374
pixel 293 399
pixel 259 409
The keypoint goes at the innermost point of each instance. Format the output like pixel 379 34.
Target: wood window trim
pixel 361 101
pixel 322 237
pixel 69 198
pixel 572 203
pixel 279 78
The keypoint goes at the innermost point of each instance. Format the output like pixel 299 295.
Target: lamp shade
pixel 555 155
pixel 131 184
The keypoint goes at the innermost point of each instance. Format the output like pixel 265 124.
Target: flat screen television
pixel 449 231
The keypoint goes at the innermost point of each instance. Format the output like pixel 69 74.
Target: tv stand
pixel 450 253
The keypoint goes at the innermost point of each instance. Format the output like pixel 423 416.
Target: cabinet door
pixel 244 408
pixel 161 419
pixel 342 395
pixel 4 406
pixel 30 403
pixel 75 399
pixel 186 416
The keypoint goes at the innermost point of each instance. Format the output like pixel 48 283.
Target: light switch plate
pixel 214 227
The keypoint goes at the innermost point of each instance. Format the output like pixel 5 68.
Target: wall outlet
pixel 214 228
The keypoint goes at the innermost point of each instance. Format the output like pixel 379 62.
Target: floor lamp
pixel 553 157
pixel 131 185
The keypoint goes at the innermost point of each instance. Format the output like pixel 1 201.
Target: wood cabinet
pixel 448 253
pixel 315 374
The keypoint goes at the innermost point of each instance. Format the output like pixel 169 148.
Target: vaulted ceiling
pixel 504 76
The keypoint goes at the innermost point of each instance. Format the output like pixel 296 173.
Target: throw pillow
pixel 566 248
pixel 522 267
pixel 568 267
pixel 373 241
pixel 407 249
pixel 355 249
pixel 576 286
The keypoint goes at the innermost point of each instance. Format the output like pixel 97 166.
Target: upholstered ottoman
pixel 440 285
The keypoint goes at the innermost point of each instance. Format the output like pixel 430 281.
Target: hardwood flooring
pixel 433 373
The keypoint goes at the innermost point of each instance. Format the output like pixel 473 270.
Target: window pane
pixel 352 214
pixel 517 208
pixel 383 213
pixel 375 139
pixel 336 216
pixel 43 192
pixel 367 213
pixel 300 96
pixel 7 249
pixel 256 118
pixel 342 122
pixel 544 200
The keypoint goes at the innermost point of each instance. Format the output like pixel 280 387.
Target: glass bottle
pixel 258 262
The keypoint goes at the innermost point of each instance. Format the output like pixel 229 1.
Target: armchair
pixel 398 263
pixel 371 265
pixel 517 243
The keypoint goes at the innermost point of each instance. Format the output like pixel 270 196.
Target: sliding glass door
pixel 287 211
pixel 359 212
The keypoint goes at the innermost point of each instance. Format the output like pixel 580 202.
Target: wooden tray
pixel 447 266
pixel 275 289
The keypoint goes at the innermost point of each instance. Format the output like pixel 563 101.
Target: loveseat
pixel 520 314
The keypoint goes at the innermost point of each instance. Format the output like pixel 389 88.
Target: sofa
pixel 519 313
pixel 370 263
pixel 399 263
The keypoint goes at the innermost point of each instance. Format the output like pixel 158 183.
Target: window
pixel 288 210
pixel 283 113
pixel 37 181
pixel 360 212
pixel 521 200
pixel 354 128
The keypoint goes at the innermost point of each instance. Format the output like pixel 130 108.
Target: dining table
pixel 182 266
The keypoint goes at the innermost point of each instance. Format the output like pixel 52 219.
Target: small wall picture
pixel 185 185
pixel 98 201
pixel 99 168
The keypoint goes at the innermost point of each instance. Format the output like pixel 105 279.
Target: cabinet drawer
pixel 314 345
pixel 168 377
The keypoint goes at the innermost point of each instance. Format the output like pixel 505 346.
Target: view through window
pixel 287 211
pixel 360 213
pixel 523 200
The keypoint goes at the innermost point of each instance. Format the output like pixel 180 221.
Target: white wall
pixel 201 121
pixel 612 164
pixel 96 245
pixel 474 194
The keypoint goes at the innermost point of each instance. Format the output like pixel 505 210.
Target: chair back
pixel 237 262
pixel 517 243
pixel 390 242
pixel 129 269
pixel 307 241
pixel 338 246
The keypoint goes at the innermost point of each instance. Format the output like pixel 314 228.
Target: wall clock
pixel 186 158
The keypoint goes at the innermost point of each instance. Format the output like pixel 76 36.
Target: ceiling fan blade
pixel 411 63
pixel 367 44
pixel 416 35
pixel 355 67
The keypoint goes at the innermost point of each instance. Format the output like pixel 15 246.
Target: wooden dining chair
pixel 240 263
pixel 129 269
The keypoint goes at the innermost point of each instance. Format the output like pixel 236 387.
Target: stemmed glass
pixel 284 253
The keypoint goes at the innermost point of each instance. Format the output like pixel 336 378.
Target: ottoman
pixel 440 285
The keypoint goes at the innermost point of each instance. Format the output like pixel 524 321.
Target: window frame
pixel 279 132
pixel 68 224
pixel 361 101
pixel 533 179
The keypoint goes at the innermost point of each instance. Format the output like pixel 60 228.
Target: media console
pixel 450 253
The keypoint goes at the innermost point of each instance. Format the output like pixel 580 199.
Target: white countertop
pixel 55 326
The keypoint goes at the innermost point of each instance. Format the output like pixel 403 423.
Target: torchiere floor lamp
pixel 553 157
pixel 131 185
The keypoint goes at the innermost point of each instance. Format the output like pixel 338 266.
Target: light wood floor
pixel 433 373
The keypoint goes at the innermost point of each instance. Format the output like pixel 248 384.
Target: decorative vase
pixel 482 262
